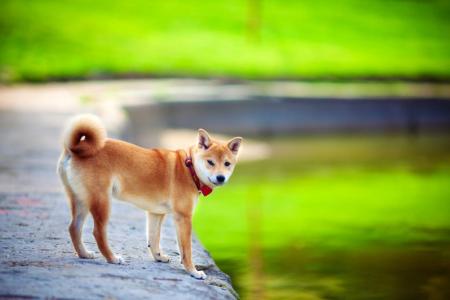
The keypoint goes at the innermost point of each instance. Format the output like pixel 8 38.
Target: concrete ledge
pixel 282 115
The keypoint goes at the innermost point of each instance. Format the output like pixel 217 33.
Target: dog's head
pixel 214 160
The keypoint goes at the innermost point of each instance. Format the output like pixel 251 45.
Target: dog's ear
pixel 234 144
pixel 204 141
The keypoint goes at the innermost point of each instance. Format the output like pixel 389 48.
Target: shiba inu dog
pixel 93 168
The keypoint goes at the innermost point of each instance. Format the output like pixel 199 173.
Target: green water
pixel 336 218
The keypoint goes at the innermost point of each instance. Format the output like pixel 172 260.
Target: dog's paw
pixel 198 275
pixel 117 260
pixel 87 255
pixel 162 258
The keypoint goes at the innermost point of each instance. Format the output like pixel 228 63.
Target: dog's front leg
pixel 154 222
pixel 183 224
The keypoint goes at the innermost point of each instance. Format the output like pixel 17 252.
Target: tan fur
pixel 92 166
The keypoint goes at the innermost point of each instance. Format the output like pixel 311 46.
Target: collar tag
pixel 206 190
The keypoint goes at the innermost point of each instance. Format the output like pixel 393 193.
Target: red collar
pixel 203 188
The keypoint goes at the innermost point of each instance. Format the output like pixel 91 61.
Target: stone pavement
pixel 36 255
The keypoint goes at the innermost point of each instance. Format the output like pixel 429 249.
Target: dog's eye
pixel 227 164
pixel 210 162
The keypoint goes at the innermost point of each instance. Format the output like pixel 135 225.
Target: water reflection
pixel 412 272
pixel 367 273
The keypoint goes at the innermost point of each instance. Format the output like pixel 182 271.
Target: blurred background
pixel 343 189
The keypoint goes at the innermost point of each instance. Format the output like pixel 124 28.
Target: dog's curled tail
pixel 84 135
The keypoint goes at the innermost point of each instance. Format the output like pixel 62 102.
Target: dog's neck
pixel 202 187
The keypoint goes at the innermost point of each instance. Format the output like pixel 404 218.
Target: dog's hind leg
pixel 79 213
pixel 78 208
pixel 154 222
pixel 100 209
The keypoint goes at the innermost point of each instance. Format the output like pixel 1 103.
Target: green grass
pixel 45 39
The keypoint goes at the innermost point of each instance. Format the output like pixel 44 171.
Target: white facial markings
pixel 208 173
pixel 202 171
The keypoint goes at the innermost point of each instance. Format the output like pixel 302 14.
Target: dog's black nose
pixel 220 178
